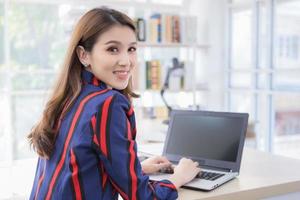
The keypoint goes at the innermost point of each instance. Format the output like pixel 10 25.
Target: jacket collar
pixel 89 78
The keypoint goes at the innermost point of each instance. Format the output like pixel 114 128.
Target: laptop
pixel 214 139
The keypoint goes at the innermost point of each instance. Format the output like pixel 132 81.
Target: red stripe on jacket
pixel 95 140
pixel 103 125
pixel 40 182
pixel 105 176
pixel 168 185
pixel 75 179
pixel 130 111
pixel 69 136
pixel 93 121
pixel 131 164
pixel 95 81
pixel 103 135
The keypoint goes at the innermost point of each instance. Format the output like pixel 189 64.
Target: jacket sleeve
pixel 115 145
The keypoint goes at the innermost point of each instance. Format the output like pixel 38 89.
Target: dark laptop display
pixel 208 137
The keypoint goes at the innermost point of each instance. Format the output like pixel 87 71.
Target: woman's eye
pixel 113 49
pixel 132 49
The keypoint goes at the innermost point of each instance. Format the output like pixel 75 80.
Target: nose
pixel 124 60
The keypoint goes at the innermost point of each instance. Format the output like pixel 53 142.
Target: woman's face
pixel 113 57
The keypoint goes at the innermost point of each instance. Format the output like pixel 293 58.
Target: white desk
pixel 262 175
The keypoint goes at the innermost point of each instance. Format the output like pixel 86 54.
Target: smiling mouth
pixel 121 74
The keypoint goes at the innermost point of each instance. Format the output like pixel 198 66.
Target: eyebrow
pixel 118 42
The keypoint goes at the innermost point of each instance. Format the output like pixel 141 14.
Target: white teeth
pixel 121 72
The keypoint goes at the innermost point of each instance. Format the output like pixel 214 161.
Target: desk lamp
pixel 176 66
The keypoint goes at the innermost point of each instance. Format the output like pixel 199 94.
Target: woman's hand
pixel 184 172
pixel 154 164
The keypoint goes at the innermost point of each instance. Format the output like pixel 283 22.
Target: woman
pixel 86 136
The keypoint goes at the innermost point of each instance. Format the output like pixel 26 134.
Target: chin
pixel 120 86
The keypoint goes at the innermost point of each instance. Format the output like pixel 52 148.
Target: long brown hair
pixel 68 85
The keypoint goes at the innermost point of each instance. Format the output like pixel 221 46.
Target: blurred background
pixel 238 55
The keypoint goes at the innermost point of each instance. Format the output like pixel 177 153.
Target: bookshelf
pixel 162 36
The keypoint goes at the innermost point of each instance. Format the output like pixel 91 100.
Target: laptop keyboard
pixel 202 175
pixel 211 176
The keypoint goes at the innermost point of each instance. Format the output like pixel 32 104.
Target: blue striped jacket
pixel 95 154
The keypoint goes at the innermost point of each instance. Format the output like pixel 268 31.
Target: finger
pixel 166 164
pixel 162 159
pixel 196 164
pixel 165 159
pixel 162 165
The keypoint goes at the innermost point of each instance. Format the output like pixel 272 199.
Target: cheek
pixel 104 63
pixel 133 59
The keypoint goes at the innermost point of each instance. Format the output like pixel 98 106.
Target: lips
pixel 121 74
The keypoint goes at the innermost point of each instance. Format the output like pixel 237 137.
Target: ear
pixel 82 55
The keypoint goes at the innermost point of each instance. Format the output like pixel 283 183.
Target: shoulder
pixel 113 99
pixel 118 101
pixel 104 101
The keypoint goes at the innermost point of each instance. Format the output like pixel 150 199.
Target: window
pixel 37 38
pixel 286 78
pixel 287 45
pixel 1 34
pixel 241 39
pixel 264 70
pixel 4 147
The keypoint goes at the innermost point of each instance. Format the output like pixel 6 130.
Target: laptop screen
pixel 205 136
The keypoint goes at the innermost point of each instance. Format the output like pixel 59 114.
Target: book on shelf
pixel 176 29
pixel 167 28
pixel 155 28
pixel 140 25
pixel 153 74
